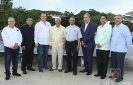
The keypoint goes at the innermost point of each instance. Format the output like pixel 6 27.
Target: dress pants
pixel 88 57
pixel 117 61
pixel 57 51
pixel 27 58
pixel 11 54
pixel 102 61
pixel 71 49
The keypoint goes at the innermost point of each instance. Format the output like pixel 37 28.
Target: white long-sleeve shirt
pixel 11 36
pixel 103 36
pixel 42 33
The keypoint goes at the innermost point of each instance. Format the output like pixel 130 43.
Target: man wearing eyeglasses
pixel 27 32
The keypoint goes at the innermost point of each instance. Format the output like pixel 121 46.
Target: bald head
pixel 11 22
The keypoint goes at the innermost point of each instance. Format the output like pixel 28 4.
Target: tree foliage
pixel 20 14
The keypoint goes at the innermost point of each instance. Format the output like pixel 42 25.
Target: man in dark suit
pixel 27 46
pixel 88 32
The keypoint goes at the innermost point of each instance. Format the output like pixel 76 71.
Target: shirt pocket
pixel 74 32
pixel 118 37
pixel 9 34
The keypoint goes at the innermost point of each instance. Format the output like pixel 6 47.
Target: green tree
pixel 6 4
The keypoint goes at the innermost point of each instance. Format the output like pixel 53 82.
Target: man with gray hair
pixel 12 39
pixel 72 37
pixel 56 44
pixel 121 38
pixel 88 44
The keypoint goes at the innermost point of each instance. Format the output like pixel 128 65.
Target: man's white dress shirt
pixel 42 32
pixel 11 36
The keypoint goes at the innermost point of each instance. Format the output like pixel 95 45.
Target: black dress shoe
pixel 16 74
pixel 89 73
pixel 102 77
pixel 67 71
pixel 7 77
pixel 74 72
pixel 84 70
pixel 118 80
pixel 97 75
pixel 31 69
pixel 24 72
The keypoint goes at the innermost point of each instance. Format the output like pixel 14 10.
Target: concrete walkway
pixel 56 78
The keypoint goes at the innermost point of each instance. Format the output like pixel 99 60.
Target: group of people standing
pixel 57 38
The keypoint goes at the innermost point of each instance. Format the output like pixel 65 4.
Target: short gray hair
pixel 58 18
pixel 72 17
pixel 119 15
pixel 11 18
pixel 87 14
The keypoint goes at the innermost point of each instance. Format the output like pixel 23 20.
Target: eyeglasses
pixel 11 21
pixel 30 20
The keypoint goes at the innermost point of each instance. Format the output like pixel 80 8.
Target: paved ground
pixel 56 78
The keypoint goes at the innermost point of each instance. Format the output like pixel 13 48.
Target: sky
pixel 75 6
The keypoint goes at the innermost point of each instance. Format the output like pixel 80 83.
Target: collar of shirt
pixel 104 25
pixel 43 22
pixel 57 27
pixel 29 25
pixel 72 25
pixel 10 27
pixel 86 24
pixel 118 25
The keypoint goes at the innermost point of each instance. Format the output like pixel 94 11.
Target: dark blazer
pixel 88 35
pixel 28 36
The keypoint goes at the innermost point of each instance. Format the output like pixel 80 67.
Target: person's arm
pixel 23 37
pixel 50 39
pixel 107 35
pixel 64 39
pixel 79 37
pixel 96 36
pixel 5 38
pixel 96 39
pixel 91 36
pixel 36 33
pixel 127 36
pixel 20 38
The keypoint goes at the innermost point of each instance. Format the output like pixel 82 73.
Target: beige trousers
pixel 57 51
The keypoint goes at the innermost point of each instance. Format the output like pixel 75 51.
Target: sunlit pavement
pixel 60 78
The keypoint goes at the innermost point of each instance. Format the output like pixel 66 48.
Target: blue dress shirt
pixel 121 38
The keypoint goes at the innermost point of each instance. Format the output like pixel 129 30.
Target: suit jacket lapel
pixel 83 28
pixel 87 27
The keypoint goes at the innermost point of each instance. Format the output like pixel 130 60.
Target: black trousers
pixel 71 48
pixel 27 58
pixel 102 61
pixel 117 61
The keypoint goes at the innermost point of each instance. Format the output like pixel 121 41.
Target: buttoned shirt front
pixel 121 38
pixel 103 36
pixel 86 24
pixel 56 35
pixel 72 33
pixel 11 36
pixel 42 32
